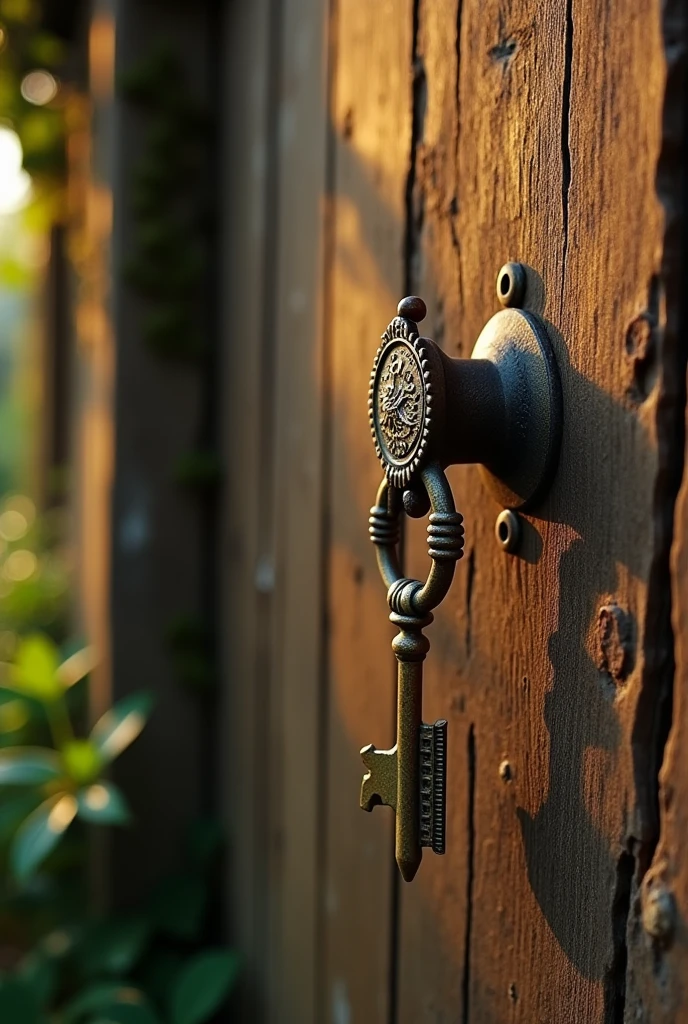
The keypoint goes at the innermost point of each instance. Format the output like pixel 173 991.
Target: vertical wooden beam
pixel 156 526
pixel 246 573
pixel 657 937
pixel 297 742
pixel 371 121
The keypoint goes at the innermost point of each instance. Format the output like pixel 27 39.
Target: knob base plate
pixel 517 343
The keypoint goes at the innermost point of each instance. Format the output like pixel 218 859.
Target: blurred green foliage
pixel 59 963
pixel 27 47
pixel 146 967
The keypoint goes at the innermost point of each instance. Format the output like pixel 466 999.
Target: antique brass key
pixel 502 409
pixel 411 777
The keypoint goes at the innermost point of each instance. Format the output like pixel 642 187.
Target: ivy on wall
pixel 167 269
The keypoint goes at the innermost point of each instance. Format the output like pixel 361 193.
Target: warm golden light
pixel 39 88
pixel 77 666
pixel 20 566
pixel 14 715
pixel 21 504
pixel 13 525
pixel 97 797
pixel 125 733
pixel 63 813
pixel 15 183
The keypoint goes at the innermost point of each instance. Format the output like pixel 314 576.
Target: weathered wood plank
pixel 157 537
pixel 371 125
pixel 296 699
pixel 552 850
pixel 657 977
pixel 486 191
pixel 435 908
pixel 247 235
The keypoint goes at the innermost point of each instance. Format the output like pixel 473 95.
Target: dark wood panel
pixel 157 553
pixel 371 118
pixel 536 143
pixel 247 235
pixel 297 740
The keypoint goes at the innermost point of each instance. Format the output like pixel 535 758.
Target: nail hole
pixel 508 530
pixel 504 284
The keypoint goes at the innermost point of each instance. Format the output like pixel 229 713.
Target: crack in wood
pixel 414 216
pixel 470 873
pixel 470 578
pixel 565 143
pixel 654 708
pixel 615 978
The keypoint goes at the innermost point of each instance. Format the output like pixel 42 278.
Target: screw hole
pixel 511 284
pixel 508 530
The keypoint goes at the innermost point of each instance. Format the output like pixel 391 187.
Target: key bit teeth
pixel 379 785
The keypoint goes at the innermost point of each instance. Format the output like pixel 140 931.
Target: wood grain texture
pixel 538 140
pixel 371 122
pixel 247 235
pixel 296 740
pixel 273 437
pixel 657 936
pixel 156 538
pixel 462 135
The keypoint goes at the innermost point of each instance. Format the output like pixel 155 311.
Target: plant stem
pixel 59 722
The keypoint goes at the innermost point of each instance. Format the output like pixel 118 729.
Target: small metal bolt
pixel 508 530
pixel 659 913
pixel 412 308
pixel 511 284
pixel 505 772
pixel 416 502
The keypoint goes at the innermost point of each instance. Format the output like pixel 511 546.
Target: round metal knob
pixel 502 408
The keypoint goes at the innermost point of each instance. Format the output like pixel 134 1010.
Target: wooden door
pixel 416 146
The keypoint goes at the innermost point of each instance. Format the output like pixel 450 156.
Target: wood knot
pixel 641 352
pixel 615 642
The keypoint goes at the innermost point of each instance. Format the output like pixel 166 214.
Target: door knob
pixel 502 409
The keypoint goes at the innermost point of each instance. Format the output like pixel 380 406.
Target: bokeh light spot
pixel 97 797
pixel 39 88
pixel 20 565
pixel 63 813
pixel 15 183
pixel 13 525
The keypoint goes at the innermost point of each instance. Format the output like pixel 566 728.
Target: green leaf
pixel 14 809
pixel 40 833
pixel 14 714
pixel 128 1013
pixel 39 973
pixel 159 971
pixel 82 760
pixel 103 804
pixel 18 1003
pixel 22 11
pixel 113 947
pixel 203 985
pixel 99 998
pixel 178 906
pixel 29 766
pixel 121 725
pixel 77 665
pixel 34 671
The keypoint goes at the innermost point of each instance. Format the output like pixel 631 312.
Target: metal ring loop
pixel 445 544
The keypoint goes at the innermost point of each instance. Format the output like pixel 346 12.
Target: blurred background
pixel 111 902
